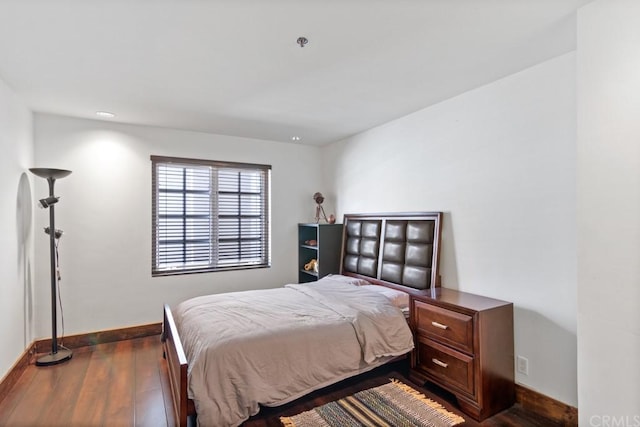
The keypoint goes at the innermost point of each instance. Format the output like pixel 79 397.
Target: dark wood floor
pixel 125 383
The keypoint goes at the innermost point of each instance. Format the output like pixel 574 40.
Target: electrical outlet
pixel 523 365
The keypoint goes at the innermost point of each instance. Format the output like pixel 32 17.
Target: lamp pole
pixel 58 354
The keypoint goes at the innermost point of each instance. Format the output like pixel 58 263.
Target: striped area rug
pixel 394 404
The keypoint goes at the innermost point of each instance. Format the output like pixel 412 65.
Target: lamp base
pixel 62 355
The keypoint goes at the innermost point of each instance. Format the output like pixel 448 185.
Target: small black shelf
pixel 310 273
pixel 326 251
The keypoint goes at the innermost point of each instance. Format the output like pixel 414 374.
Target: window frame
pixel 265 222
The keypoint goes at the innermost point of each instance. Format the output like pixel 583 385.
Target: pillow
pixel 346 279
pixel 398 298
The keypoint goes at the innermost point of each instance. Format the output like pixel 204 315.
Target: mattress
pixel 272 346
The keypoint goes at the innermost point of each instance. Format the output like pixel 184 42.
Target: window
pixel 209 216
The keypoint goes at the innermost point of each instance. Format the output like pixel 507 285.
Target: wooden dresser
pixel 464 343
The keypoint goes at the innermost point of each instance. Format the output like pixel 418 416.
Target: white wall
pixel 105 211
pixel 608 69
pixel 16 223
pixel 499 161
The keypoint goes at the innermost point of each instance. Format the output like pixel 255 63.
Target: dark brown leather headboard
pixel 397 249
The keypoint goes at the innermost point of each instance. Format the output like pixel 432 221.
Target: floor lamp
pixel 58 354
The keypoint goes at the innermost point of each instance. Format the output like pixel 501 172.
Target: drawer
pixel 449 327
pixel 449 367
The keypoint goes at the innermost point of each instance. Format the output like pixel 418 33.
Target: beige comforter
pixel 272 346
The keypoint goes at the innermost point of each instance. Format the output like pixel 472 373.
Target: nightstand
pixel 464 344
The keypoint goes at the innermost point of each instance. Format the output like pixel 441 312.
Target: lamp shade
pixel 50 173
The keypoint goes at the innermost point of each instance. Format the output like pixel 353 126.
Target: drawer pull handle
pixel 439 325
pixel 439 362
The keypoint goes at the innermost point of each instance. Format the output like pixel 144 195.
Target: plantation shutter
pixel 209 215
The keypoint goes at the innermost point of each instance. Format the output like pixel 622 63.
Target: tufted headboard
pixel 394 249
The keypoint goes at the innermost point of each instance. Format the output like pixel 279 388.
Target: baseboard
pixel 73 341
pixel 101 337
pixel 552 409
pixel 18 368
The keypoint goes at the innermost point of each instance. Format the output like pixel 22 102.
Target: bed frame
pixel 397 250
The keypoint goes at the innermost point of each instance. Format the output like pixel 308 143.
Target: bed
pixel 398 253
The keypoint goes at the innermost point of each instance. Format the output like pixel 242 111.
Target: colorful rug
pixel 391 405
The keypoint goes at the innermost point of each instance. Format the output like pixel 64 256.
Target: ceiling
pixel 233 67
